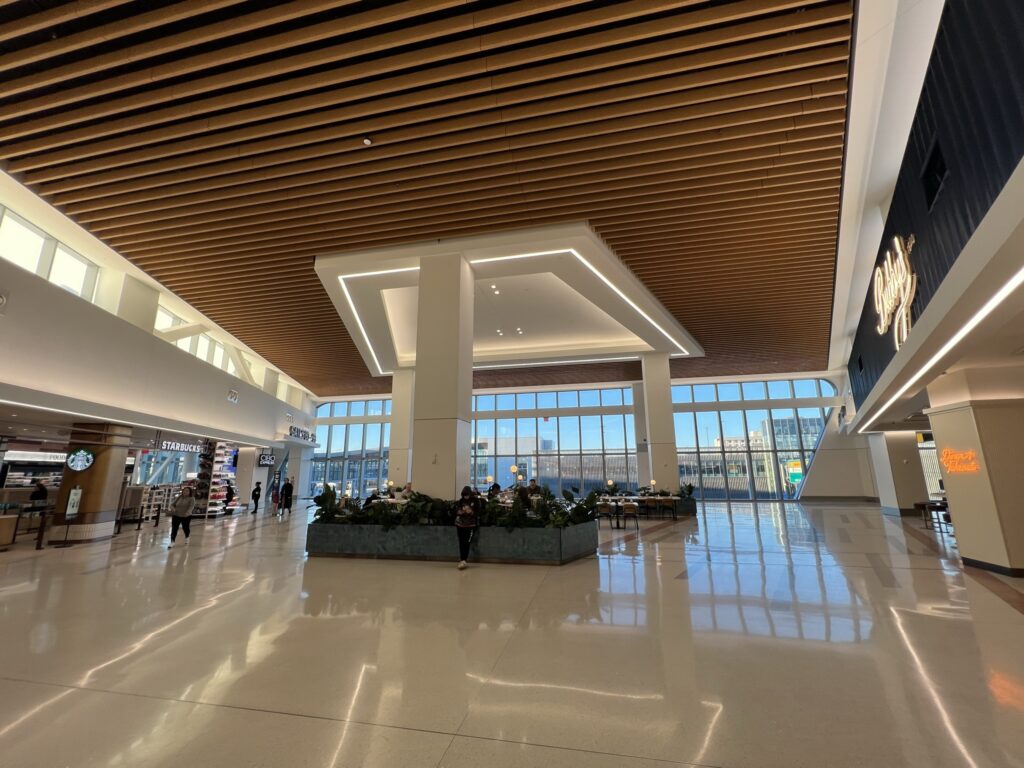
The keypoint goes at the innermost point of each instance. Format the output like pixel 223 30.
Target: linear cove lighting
pixel 514 257
pixel 989 307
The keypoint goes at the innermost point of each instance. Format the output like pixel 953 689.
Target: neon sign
pixel 959 462
pixel 895 286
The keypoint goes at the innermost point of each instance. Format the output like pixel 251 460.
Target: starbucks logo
pixel 80 459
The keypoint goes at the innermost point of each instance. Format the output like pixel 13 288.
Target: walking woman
pixel 181 515
pixel 467 519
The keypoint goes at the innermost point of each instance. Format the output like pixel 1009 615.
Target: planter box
pixel 493 544
pixel 686 506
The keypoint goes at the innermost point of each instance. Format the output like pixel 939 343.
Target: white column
pixel 643 454
pixel 245 476
pixel 978 443
pixel 442 404
pixel 661 430
pixel 138 303
pixel 899 476
pixel 400 450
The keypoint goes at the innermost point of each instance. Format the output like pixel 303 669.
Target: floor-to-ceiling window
pixel 352 438
pixel 574 440
pixel 735 440
pixel 749 440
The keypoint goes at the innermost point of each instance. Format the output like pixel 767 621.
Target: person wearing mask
pixel 181 515
pixel 467 521
pixel 287 490
pixel 256 493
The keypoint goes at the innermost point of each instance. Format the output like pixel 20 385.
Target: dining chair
pixel 631 509
pixel 605 509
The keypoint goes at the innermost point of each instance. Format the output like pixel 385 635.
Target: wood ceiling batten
pixel 62 45
pixel 166 44
pixel 62 13
pixel 702 139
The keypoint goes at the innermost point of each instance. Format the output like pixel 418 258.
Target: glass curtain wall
pixel 574 440
pixel 352 449
pixel 739 441
pixel 737 453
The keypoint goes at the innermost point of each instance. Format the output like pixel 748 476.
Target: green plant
pixel 567 495
pixel 686 491
pixel 328 509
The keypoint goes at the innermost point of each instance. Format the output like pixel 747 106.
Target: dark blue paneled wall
pixel 972 107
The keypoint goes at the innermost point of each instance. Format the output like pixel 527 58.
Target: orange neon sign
pixel 959 462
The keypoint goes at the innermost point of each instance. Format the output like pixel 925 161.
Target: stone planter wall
pixel 493 544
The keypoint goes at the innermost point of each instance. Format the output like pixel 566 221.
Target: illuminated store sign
pixel 894 288
pixel 172 445
pixel 959 462
pixel 80 459
pixel 299 432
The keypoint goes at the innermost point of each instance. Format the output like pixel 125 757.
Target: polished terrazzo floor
pixel 754 637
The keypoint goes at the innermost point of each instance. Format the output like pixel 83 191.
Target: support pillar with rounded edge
pixel 977 417
pixel 443 397
pixel 660 421
pixel 400 450
pixel 100 483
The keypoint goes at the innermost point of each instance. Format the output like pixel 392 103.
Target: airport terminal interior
pixel 511 383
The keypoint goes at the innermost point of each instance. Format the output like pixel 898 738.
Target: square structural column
pixel 90 490
pixel 978 447
pixel 899 475
pixel 443 399
pixel 660 421
pixel 403 382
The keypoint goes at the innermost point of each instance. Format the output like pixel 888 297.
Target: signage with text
pixel 299 432
pixel 895 285
pixel 36 457
pixel 267 460
pixel 959 462
pixel 174 445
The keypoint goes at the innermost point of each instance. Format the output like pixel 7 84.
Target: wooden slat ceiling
pixel 219 145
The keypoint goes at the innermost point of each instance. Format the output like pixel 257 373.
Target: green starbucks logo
pixel 80 459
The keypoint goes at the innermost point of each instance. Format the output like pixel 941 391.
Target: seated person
pixel 373 497
pixel 493 491
pixel 406 492
pixel 533 489
pixel 524 497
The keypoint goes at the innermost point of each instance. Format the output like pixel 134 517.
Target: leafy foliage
pixel 421 509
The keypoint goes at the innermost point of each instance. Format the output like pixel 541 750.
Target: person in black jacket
pixel 467 521
pixel 287 491
pixel 229 495
pixel 39 494
pixel 256 493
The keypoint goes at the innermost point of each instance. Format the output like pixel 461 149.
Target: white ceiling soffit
pixel 563 296
pixel 894 40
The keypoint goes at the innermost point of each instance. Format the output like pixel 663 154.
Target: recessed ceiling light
pixel 497 293
pixel 367 141
pixel 493 287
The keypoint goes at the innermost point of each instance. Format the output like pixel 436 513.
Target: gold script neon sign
pixel 894 288
pixel 959 462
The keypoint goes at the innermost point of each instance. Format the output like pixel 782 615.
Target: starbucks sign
pixel 80 459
